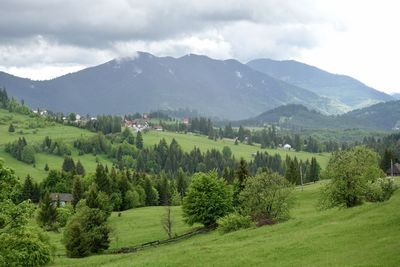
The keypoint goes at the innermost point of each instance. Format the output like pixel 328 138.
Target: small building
pixel 158 128
pixel 287 147
pixel 396 170
pixel 185 121
pixel 62 198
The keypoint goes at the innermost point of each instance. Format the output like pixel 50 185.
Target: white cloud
pixel 45 38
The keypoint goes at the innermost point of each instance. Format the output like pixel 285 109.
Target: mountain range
pixel 226 89
pixel 348 92
pixel 381 116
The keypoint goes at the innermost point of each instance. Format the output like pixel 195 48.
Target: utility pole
pixel 301 177
pixel 391 167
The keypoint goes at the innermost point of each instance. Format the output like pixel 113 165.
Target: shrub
pixel 207 199
pixel 380 191
pixel 350 172
pixel 63 214
pixel 267 195
pixel 233 222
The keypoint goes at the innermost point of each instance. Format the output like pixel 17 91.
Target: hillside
pixel 34 130
pixel 219 88
pixel 366 235
pixel 381 116
pixel 351 93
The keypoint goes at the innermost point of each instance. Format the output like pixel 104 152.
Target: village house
pixel 287 147
pixel 158 128
pixel 62 198
pixel 396 170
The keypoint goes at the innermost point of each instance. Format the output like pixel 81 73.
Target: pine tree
pixel 77 190
pixel 181 182
pixel 46 167
pixel 314 170
pixel 240 178
pixel 28 188
pixel 139 140
pixel 387 159
pixel 151 193
pixel 68 165
pixel 11 128
pixel 102 180
pixel 47 215
pixel 80 170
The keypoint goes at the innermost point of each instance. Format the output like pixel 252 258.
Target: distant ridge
pixel 349 92
pixel 381 116
pixel 218 88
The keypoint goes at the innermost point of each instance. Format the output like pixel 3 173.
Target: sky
pixel 43 39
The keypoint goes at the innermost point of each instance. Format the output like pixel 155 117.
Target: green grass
pixel 134 227
pixel 188 141
pixel 367 235
pixel 36 135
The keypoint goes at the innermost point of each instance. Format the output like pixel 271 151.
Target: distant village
pixel 139 124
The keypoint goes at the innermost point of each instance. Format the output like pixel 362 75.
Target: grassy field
pixel 35 130
pixel 188 141
pixel 367 235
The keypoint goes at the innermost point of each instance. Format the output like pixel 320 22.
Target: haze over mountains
pixel 349 92
pixel 221 88
pixel 381 116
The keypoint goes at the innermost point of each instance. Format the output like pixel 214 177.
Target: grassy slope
pixel 367 235
pixel 188 141
pixel 69 133
pixel 54 131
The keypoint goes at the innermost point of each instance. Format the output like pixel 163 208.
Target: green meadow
pixel 35 130
pixel 367 235
pixel 189 140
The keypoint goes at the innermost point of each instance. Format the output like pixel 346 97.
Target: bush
pixel 380 191
pixel 268 196
pixel 233 222
pixel 207 199
pixel 63 214
pixel 350 173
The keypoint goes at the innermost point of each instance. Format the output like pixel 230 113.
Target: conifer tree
pixel 28 188
pixel 80 170
pixel 139 140
pixel 11 128
pixel 77 190
pixel 47 215
pixel 241 175
pixel 68 165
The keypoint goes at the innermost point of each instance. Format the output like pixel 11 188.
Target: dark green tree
pixel 77 190
pixel 47 215
pixel 80 170
pixel 151 193
pixel 68 164
pixel 240 179
pixel 46 167
pixel 387 159
pixel 139 140
pixel 207 199
pixel 11 128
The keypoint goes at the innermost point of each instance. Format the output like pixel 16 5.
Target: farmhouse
pixel 62 198
pixel 396 170
pixel 287 147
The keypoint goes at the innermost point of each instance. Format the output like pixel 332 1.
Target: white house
pixel 287 147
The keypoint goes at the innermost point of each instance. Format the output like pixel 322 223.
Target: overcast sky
pixel 42 39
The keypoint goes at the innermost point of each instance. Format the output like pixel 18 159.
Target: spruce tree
pixel 77 190
pixel 101 179
pixel 139 140
pixel 11 128
pixel 387 159
pixel 28 188
pixel 47 215
pixel 68 165
pixel 181 182
pixel 80 170
pixel 46 167
pixel 240 178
